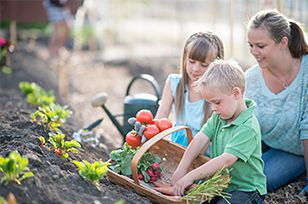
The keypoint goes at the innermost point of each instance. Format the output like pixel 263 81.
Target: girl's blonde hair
pixel 224 75
pixel 198 46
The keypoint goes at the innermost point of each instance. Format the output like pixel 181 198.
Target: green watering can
pixel 132 103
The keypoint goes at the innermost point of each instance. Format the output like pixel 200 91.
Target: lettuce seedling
pixel 62 147
pixel 121 161
pixel 36 95
pixel 51 117
pixel 92 172
pixel 14 168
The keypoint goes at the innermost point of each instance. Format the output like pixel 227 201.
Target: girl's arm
pixel 207 169
pixel 192 151
pixel 165 106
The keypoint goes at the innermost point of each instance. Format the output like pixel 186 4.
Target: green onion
pixel 210 188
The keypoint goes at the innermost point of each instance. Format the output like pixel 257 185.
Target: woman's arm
pixel 165 106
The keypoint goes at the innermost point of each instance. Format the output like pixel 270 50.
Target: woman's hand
pixel 180 186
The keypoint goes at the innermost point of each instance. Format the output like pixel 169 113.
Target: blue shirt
pixel 283 117
pixel 193 113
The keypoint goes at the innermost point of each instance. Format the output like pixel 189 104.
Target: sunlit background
pixel 158 28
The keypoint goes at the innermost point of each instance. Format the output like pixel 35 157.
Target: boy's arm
pixel 192 151
pixel 165 106
pixel 207 169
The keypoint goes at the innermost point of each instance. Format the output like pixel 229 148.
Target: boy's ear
pixel 236 91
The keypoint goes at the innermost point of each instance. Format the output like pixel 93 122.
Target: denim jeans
pixel 241 197
pixel 281 167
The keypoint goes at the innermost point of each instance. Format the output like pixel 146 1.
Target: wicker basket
pixel 170 154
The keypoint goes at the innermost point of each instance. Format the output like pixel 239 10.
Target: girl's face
pixel 223 104
pixel 265 50
pixel 195 69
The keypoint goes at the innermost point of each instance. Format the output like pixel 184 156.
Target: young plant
pixel 61 147
pixel 210 188
pixel 92 172
pixel 51 117
pixel 148 165
pixel 36 95
pixel 121 160
pixel 14 168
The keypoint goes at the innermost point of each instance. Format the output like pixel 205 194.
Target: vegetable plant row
pixel 50 117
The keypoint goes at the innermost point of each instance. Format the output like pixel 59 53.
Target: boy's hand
pixel 304 191
pixel 177 175
pixel 180 186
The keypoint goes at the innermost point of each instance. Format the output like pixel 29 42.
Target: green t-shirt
pixel 241 138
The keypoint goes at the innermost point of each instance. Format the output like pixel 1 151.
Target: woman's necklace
pixel 285 83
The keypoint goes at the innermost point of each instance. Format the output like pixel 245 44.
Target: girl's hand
pixel 180 186
pixel 177 175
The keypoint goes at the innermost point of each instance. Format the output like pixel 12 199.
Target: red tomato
pixel 155 121
pixel 150 131
pixel 133 140
pixel 144 116
pixel 164 124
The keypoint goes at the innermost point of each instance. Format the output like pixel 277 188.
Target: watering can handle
pixel 148 78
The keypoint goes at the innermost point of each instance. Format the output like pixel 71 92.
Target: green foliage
pixel 210 188
pixel 36 95
pixel 92 172
pixel 121 161
pixel 122 201
pixel 6 70
pixel 14 168
pixel 62 147
pixel 51 117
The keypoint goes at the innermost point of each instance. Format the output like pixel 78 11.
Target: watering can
pixel 132 103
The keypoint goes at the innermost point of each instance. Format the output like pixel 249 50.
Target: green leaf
pixel 79 164
pixel 126 166
pixel 146 176
pixel 26 175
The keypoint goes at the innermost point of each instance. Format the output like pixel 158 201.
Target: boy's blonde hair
pixel 224 75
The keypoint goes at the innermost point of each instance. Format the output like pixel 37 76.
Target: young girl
pixel 190 109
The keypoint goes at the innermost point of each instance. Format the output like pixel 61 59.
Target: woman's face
pixel 263 47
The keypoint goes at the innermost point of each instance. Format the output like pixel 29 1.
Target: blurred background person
pixel 60 16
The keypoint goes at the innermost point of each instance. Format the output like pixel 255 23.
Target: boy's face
pixel 223 103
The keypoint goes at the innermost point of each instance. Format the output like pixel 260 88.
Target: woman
pixel 279 85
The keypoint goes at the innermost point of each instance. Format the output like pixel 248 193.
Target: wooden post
pixel 231 17
pixel 63 79
pixel 13 32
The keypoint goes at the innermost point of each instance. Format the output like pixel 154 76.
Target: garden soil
pixel 56 180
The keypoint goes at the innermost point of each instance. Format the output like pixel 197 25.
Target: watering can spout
pixel 99 99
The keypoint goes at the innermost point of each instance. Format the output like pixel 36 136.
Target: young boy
pixel 235 135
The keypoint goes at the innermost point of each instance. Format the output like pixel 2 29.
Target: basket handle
pixel 149 79
pixel 150 143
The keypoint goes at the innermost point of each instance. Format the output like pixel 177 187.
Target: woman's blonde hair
pixel 279 26
pixel 223 75
pixel 198 46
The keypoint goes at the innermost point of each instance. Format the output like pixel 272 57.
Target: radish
pixel 155 166
pixel 150 172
